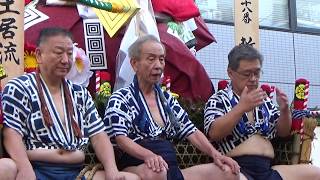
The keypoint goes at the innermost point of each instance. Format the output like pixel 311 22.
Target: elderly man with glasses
pixel 241 120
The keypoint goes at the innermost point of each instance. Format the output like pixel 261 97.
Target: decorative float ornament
pixel 3 73
pixel 103 93
pixel 112 22
pixel 223 84
pixel 103 5
pixel 268 89
pixel 80 70
pixel 301 93
pixel 98 80
pixel 105 87
pixel 30 61
pixel 166 85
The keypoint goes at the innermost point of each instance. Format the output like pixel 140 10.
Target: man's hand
pixel 156 163
pixel 25 173
pixel 221 161
pixel 252 99
pixel 282 100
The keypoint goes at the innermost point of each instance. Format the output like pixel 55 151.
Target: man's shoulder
pixel 122 92
pixel 221 94
pixel 26 79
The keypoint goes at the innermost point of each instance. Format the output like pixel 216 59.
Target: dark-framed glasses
pixel 250 74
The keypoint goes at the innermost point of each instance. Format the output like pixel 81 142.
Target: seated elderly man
pixel 8 169
pixel 242 120
pixel 142 117
pixel 48 120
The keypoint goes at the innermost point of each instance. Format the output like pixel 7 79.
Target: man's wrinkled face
pixel 150 66
pixel 248 74
pixel 55 56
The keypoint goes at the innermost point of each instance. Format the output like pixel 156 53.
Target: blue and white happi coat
pixel 21 109
pixel 128 114
pixel 219 104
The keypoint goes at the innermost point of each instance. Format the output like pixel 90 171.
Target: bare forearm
pixel 104 151
pixel 132 148
pixel 16 149
pixel 284 123
pixel 199 140
pixel 224 125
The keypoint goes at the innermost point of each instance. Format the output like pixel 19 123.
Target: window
pixel 308 13
pixel 272 13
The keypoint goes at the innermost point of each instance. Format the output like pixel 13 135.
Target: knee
pixel 229 175
pixel 132 176
pixel 8 168
pixel 316 172
pixel 148 174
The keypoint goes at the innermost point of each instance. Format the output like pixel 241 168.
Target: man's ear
pixel 38 55
pixel 230 73
pixel 134 63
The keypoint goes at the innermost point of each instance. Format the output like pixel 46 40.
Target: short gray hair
pixel 243 52
pixel 51 32
pixel 135 48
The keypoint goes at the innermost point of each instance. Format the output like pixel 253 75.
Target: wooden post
pixel 12 42
pixel 246 22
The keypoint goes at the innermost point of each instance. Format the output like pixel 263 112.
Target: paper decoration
pixel 112 22
pixel 32 16
pixel 95 45
pixel 30 61
pixel 80 70
pixel 141 24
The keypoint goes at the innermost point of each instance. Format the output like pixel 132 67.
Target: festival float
pixel 103 30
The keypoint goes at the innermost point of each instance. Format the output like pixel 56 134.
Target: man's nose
pixel 253 77
pixel 65 58
pixel 158 63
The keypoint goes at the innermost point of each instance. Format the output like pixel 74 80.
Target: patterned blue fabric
pixel 123 109
pixel 299 114
pixel 219 104
pixel 21 109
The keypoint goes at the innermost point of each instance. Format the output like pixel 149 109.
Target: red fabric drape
pixel 188 76
pixel 179 10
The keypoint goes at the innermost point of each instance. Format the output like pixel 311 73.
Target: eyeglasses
pixel 249 75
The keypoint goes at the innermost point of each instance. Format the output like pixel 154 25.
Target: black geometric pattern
pixel 32 16
pixel 95 45
pixel 96 59
pixel 93 29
